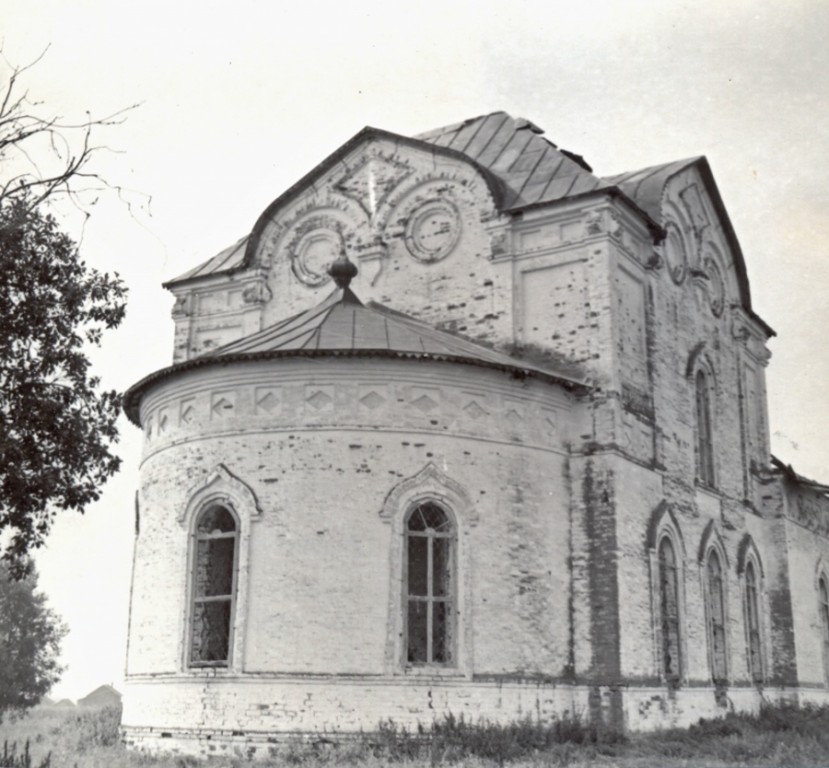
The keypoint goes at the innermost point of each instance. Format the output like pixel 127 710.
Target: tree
pixel 44 156
pixel 30 636
pixel 56 424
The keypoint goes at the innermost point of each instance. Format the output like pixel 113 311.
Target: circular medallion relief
pixel 675 253
pixel 433 230
pixel 315 245
pixel 717 291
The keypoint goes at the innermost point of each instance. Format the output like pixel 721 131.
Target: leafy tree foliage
pixel 30 635
pixel 56 425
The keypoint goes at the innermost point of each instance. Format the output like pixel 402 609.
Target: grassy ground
pixel 777 737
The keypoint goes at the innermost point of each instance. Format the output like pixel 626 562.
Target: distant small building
pixel 64 704
pixel 103 696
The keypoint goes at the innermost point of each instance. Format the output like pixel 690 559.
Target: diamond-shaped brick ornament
pixel 474 410
pixel 424 403
pixel 267 402
pixel 222 406
pixel 513 417
pixel 319 399
pixel 372 400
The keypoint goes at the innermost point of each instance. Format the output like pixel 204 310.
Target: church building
pixel 461 426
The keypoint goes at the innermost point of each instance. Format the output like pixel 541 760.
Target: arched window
pixel 716 617
pixel 755 657
pixel 669 609
pixel 824 624
pixel 705 445
pixel 215 553
pixel 430 586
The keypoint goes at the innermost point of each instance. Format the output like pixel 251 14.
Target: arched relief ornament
pixel 432 484
pixel 675 252
pixel 712 538
pixel 433 230
pixel 699 359
pixel 429 483
pixel 747 551
pixel 291 237
pixel 221 486
pixel 314 245
pixel 664 519
pixel 716 282
pixel 426 214
pixel 691 198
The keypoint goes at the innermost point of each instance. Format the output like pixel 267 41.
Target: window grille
pixel 705 448
pixel 716 618
pixel 755 659
pixel 669 610
pixel 824 624
pixel 430 586
pixel 214 586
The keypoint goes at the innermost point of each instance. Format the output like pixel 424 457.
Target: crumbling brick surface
pixel 558 498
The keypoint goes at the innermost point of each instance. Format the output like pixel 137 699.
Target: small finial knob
pixel 342 270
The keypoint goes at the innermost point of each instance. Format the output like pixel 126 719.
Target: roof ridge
pixel 426 135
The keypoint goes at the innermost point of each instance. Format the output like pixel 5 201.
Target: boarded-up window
pixel 705 448
pixel 716 617
pixel 430 586
pixel 755 659
pixel 669 609
pixel 214 583
pixel 824 624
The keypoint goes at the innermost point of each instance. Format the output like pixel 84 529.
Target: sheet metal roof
pixel 341 325
pixel 645 186
pixel 521 166
pixel 533 169
pixel 523 169
pixel 227 260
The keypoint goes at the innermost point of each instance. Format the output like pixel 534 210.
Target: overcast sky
pixel 238 100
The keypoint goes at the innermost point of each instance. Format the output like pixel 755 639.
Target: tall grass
pixel 11 759
pixel 779 735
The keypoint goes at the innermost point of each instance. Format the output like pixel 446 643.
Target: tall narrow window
pixel 430 586
pixel 705 448
pixel 824 624
pixel 669 609
pixel 214 585
pixel 716 617
pixel 755 659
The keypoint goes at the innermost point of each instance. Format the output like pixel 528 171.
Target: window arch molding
pixel 430 485
pixel 752 586
pixel 667 594
pixel 714 567
pixel 220 489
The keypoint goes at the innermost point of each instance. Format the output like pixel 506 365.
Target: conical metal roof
pixel 341 325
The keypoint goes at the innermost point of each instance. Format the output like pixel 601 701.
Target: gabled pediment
pixel 351 197
pixel 699 239
pixel 509 158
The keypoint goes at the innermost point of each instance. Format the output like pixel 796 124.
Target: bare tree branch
pixel 65 148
